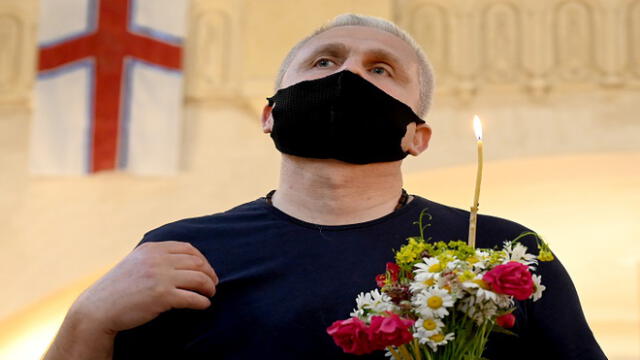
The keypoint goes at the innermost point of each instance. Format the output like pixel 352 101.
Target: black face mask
pixel 341 116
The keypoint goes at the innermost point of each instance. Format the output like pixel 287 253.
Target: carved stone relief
pixel 633 25
pixel 429 24
pixel 574 40
pixel 213 50
pixel 211 37
pixel 502 41
pixel 10 34
pixel 533 45
pixel 17 49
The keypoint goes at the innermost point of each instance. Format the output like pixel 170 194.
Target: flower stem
pixel 394 353
pixel 526 234
pixel 415 346
pixel 405 352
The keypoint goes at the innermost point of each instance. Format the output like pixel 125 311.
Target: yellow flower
pixel 410 252
pixel 429 282
pixel 446 257
pixel 429 324
pixel 437 337
pixel 434 302
pixel 545 255
pixel 435 268
pixel 467 276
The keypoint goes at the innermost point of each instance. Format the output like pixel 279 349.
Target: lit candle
pixel 473 215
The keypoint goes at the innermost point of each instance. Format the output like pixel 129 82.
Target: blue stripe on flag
pixel 126 97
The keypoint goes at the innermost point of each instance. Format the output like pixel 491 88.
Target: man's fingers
pixel 194 280
pixel 185 248
pixel 186 262
pixel 185 299
pixel 192 262
pixel 178 247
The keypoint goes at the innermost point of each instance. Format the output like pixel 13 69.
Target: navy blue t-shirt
pixel 283 281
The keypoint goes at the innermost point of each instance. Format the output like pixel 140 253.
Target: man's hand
pixel 153 278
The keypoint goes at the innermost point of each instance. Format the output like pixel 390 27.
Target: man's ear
pixel 420 141
pixel 267 119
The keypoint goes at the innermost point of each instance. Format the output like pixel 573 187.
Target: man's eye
pixel 324 63
pixel 379 70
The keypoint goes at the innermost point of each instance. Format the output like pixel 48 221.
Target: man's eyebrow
pixel 386 56
pixel 332 49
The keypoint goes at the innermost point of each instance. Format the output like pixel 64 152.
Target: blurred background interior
pixel 556 83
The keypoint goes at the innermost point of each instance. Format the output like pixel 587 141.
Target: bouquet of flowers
pixel 441 300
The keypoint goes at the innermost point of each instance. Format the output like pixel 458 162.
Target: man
pixel 291 263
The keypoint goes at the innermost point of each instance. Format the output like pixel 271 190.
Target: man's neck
pixel 330 192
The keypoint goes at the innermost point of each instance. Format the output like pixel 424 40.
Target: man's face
pixel 378 56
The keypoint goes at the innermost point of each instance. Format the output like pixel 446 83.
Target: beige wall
pixel 561 129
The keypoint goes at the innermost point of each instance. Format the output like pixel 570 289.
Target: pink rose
pixel 352 335
pixel 390 330
pixel 506 321
pixel 512 278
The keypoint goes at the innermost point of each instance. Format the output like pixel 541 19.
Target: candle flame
pixel 477 127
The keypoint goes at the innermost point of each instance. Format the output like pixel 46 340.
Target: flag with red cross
pixel 108 94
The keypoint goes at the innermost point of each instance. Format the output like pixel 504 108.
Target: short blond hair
pixel 425 72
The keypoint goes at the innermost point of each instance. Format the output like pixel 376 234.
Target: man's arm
pixel 153 278
pixel 557 319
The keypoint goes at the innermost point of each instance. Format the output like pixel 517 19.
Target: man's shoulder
pixel 451 223
pixel 494 231
pixel 194 227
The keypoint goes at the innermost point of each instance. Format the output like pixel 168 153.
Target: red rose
pixel 394 271
pixel 512 278
pixel 352 335
pixel 506 321
pixel 390 330
pixel 392 274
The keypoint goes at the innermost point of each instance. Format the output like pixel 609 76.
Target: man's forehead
pixel 361 38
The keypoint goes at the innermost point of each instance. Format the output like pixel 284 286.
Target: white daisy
pixel 372 303
pixel 433 302
pixel 486 295
pixel 478 288
pixel 479 260
pixel 478 311
pixel 439 339
pixel 504 301
pixel 430 268
pixel 424 283
pixel 539 288
pixel 424 328
pixel 454 265
pixel 518 252
pixel 470 280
